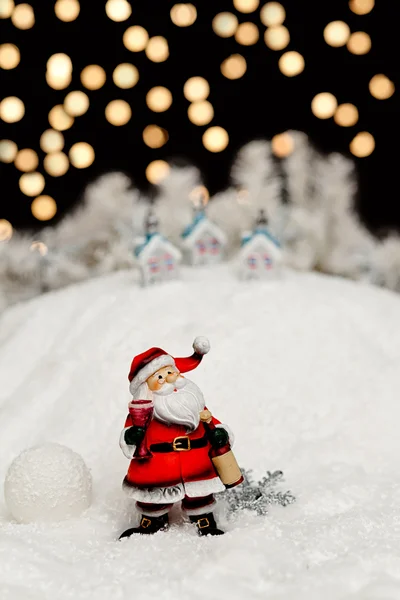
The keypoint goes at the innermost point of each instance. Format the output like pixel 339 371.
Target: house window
pixel 153 265
pixel 267 261
pixel 201 247
pixel 168 262
pixel 214 246
pixel 252 261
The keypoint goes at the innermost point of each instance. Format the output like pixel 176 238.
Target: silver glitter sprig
pixel 258 496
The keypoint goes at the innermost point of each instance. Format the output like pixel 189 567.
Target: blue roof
pixel 263 231
pixel 200 216
pixel 149 236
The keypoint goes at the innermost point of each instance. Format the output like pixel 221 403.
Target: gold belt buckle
pixel 178 448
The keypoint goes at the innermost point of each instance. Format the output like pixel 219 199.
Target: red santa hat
pixel 146 364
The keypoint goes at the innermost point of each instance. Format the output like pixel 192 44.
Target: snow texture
pixel 48 482
pixel 305 372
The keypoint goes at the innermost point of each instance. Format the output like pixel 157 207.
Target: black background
pixel 259 105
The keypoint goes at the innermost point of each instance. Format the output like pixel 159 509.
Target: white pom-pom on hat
pixel 201 345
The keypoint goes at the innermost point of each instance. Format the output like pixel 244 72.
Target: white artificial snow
pixel 46 483
pixel 305 370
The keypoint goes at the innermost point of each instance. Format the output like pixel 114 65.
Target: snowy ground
pixel 305 371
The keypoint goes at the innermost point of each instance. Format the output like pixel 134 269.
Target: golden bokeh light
pixel 183 15
pixel 196 88
pixel 118 112
pixel 12 109
pixel 59 119
pixel 9 56
pixel 157 170
pixel 359 43
pixel 199 195
pixel 93 77
pixel 135 38
pixel 58 83
pixel 6 230
pixel 282 144
pixel 125 76
pixel 201 113
pixel 51 141
pixel 277 37
pixel 56 164
pixel 157 49
pixel 381 87
pixel 154 136
pixel 361 7
pixel 272 14
pixel 246 6
pixel 234 66
pixel 337 34
pixel 23 16
pixel 362 145
pixel 81 155
pixel 346 115
pixel 215 139
pixel 247 34
pixel 76 103
pixel 26 160
pixel 159 99
pixel 118 10
pixel 324 105
pixel 8 151
pixel 291 63
pixel 59 65
pixel 225 24
pixel 39 247
pixel 67 10
pixel 31 184
pixel 44 208
pixel 6 8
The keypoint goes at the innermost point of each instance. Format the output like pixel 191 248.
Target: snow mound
pixel 305 370
pixel 49 482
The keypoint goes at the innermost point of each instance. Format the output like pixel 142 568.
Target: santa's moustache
pixel 180 407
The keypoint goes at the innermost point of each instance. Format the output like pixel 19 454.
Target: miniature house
pixel 203 242
pixel 157 257
pixel 260 253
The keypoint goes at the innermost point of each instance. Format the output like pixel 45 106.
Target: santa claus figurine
pixel 168 444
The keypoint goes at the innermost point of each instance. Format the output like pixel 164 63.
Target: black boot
pixel 148 525
pixel 206 524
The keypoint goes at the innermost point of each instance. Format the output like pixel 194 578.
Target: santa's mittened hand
pixel 201 345
pixel 219 437
pixel 134 435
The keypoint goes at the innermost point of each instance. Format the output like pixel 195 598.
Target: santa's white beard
pixel 180 407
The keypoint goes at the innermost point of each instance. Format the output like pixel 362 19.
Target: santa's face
pixel 176 400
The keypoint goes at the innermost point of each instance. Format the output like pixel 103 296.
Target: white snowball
pixel 49 482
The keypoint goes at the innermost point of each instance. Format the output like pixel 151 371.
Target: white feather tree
pixel 257 186
pixel 303 224
pixel 173 205
pixel 385 263
pixel 347 245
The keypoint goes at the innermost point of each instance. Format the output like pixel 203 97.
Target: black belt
pixel 180 444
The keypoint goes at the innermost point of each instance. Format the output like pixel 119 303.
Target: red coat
pixel 192 471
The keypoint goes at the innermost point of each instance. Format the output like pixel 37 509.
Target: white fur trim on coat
pixel 127 449
pixel 155 495
pixel 147 371
pixel 194 489
pixel 201 345
pixel 174 493
pixel 228 431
